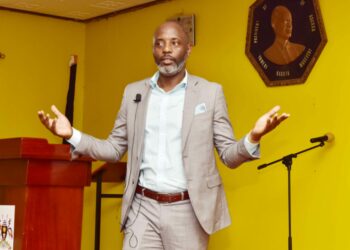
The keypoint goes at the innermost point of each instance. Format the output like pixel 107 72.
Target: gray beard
pixel 171 70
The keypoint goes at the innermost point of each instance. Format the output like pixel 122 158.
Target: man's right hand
pixel 59 125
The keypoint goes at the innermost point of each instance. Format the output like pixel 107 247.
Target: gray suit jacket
pixel 201 133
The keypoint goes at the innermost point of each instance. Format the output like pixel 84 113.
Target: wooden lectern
pixel 47 189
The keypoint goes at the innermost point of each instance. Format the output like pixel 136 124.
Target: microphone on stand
pixel 329 137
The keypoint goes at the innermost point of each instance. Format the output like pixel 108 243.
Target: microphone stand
pixel 288 161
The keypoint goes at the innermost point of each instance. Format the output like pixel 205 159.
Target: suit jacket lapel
pixel 189 106
pixel 140 117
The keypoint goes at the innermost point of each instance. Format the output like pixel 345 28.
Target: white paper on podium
pixel 7 226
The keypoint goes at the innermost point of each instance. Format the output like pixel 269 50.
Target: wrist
pixel 69 135
pixel 253 137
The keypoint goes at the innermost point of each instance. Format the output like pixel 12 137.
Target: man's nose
pixel 167 48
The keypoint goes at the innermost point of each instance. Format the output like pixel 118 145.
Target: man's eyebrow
pixel 171 39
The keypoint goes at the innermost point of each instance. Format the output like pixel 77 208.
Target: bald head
pixel 171 25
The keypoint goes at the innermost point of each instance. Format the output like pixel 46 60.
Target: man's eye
pixel 159 44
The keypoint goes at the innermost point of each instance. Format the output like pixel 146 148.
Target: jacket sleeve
pixel 111 149
pixel 232 152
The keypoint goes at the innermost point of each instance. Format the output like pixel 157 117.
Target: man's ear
pixel 189 49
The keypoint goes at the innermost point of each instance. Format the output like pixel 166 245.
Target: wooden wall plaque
pixel 284 39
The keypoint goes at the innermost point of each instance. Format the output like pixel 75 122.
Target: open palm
pixel 59 125
pixel 266 123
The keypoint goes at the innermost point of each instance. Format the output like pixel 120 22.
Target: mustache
pixel 167 57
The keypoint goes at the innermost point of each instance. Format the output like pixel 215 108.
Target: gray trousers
pixel 163 226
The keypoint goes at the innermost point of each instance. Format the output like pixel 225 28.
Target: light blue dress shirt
pixel 162 166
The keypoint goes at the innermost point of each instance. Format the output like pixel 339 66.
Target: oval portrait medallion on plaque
pixel 284 39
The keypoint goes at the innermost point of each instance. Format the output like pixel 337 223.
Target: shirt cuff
pixel 75 139
pixel 251 147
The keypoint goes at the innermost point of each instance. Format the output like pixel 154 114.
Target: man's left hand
pixel 266 123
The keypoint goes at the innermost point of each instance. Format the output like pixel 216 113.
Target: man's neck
pixel 167 83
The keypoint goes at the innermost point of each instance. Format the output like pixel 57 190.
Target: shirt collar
pixel 182 84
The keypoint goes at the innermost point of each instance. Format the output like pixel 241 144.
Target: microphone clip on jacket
pixel 137 98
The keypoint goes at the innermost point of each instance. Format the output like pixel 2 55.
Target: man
pixel 282 51
pixel 170 125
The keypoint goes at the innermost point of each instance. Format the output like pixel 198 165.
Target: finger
pixel 53 125
pixel 56 111
pixel 46 120
pixel 275 118
pixel 269 122
pixel 274 110
pixel 43 118
pixel 282 118
pixel 285 115
pixel 41 115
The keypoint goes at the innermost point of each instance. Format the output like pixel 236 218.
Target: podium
pixel 47 189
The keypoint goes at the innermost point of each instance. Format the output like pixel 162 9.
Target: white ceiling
pixel 74 9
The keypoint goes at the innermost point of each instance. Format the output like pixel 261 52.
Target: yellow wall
pixel 35 73
pixel 119 51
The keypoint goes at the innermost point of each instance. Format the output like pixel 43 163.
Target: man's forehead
pixel 170 30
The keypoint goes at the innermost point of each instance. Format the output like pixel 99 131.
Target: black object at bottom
pixel 288 161
pixel 99 197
